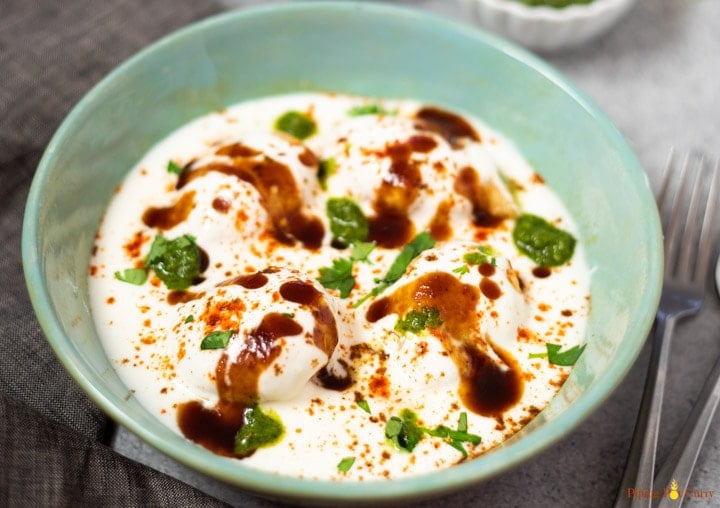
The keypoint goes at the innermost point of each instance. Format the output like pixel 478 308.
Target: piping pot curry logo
pixel 672 492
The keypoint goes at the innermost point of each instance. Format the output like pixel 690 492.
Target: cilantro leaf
pixel 403 431
pixel 369 109
pixel 533 356
pixel 348 223
pixel 297 124
pixel 361 251
pixel 455 438
pixel 421 242
pixel 346 464
pixel 217 340
pixel 338 276
pixel 564 358
pixel 189 319
pixel 481 256
pixel 462 422
pixel 136 276
pixel 415 321
pixel 174 168
pixel 325 170
pixel 176 262
pixel 364 405
pixel 461 270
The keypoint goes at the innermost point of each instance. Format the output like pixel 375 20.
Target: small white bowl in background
pixel 545 28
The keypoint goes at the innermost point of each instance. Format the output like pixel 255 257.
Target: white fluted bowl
pixel 548 28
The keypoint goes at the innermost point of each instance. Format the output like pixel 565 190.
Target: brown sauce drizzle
pixel 325 335
pixel 279 192
pixel 450 126
pixel 213 428
pixel 221 205
pixel 490 288
pixel 391 226
pixel 541 272
pixel 486 387
pixel 333 381
pixel 486 269
pixel 440 227
pixel 251 281
pixel 237 379
pixel 308 158
pixel 168 217
pixel 467 184
pixel 181 296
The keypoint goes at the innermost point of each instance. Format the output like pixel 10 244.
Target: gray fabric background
pixel 656 75
pixel 51 434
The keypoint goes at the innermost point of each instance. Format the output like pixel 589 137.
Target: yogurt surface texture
pixel 339 287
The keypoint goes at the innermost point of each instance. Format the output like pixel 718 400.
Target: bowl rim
pixel 267 484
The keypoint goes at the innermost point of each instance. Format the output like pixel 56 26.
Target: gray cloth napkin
pixel 51 434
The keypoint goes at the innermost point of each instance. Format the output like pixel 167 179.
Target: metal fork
pixel 688 225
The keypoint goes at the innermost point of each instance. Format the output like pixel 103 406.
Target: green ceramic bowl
pixel 366 49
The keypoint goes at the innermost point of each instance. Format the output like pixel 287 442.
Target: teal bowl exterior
pixel 368 49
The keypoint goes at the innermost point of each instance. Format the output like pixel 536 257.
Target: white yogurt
pixel 251 199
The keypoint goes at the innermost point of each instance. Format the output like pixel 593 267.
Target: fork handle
pixel 636 486
pixel 680 462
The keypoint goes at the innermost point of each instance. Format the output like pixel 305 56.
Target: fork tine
pixel 689 245
pixel 672 212
pixel 707 232
pixel 689 229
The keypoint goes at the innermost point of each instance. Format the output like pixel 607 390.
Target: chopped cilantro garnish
pixel 403 431
pixel 462 422
pixel 136 276
pixel 421 242
pixel 296 124
pixel 345 464
pixel 361 251
pixel 415 321
pixel 564 358
pixel 259 430
pixel 176 262
pixel 289 314
pixel 557 357
pixel 364 405
pixel 325 170
pixel 541 241
pixel 190 319
pixel 481 256
pixel 348 223
pixel 461 270
pixel 339 276
pixel 456 438
pixel 369 109
pixel 217 340
pixel 174 168
pixel 533 356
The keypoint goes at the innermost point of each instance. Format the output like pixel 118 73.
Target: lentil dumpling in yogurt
pixel 340 287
